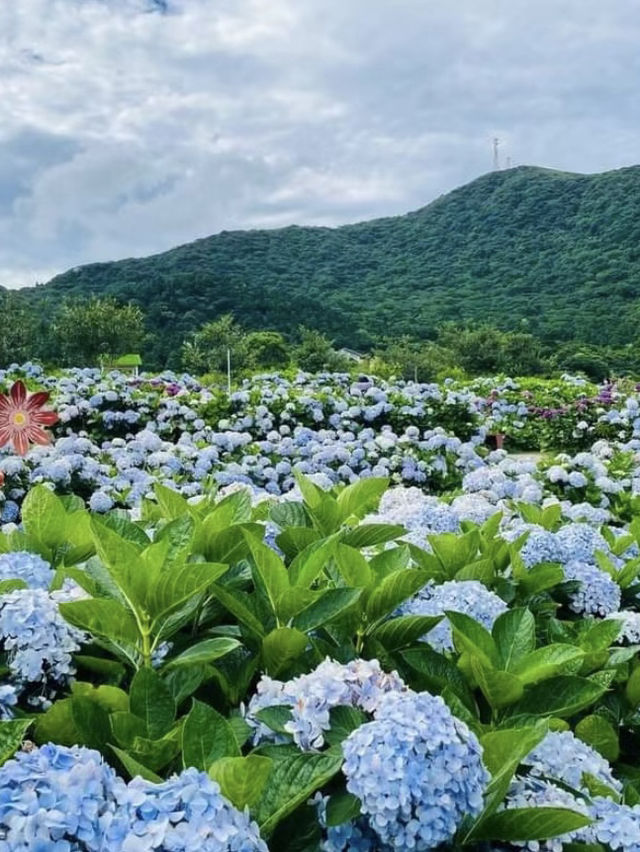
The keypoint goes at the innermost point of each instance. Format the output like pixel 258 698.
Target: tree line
pixel 95 331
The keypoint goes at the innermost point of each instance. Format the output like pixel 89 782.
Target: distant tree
pixel 20 339
pixel 86 332
pixel 522 355
pixel 477 350
pixel 590 360
pixel 206 350
pixel 414 359
pixel 267 349
pixel 315 352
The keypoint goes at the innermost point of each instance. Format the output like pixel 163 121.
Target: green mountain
pixel 553 252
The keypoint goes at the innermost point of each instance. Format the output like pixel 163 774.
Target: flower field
pixel 321 613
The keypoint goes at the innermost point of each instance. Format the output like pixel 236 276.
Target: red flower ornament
pixel 22 418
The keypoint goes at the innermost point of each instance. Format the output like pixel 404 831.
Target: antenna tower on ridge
pixel 496 154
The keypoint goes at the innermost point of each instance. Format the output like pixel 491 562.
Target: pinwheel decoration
pixel 22 418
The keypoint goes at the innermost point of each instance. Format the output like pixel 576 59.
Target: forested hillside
pixel 553 252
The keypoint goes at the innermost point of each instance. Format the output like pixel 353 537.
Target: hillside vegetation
pixel 551 252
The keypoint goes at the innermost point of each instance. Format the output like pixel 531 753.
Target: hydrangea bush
pixel 321 613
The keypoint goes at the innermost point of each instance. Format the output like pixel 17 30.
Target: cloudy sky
pixel 130 126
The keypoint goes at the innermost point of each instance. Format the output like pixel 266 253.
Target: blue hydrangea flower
pixel 542 546
pixel 535 793
pixel 468 596
pixel 580 542
pixel 417 771
pixel 100 502
pixel 184 814
pixel 10 512
pixel 36 638
pixel 8 700
pixel 351 836
pixel 30 567
pixel 562 756
pixel 598 594
pixel 55 798
pixel 630 626
pixel 616 826
pixel 360 683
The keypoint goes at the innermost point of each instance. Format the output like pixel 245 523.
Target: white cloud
pixel 125 131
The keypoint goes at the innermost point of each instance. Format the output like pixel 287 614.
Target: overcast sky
pixel 130 126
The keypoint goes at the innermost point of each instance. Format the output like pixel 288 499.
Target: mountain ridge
pixel 527 247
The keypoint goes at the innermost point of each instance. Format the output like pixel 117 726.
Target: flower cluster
pixel 629 626
pixel 417 771
pixel 37 641
pixel 598 593
pixel 68 799
pixel 28 567
pixel 355 835
pixel 184 813
pixel 530 792
pixel 360 683
pixel 468 596
pixel 56 798
pixel 564 757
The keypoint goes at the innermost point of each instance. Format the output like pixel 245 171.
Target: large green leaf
pixel 325 608
pixel 531 824
pixel 124 564
pixel 361 497
pixel 203 652
pixel 404 630
pixel 561 696
pixel 172 504
pixel 235 508
pixel 308 565
pixel 179 536
pixel 11 736
pixel 343 721
pixel 392 590
pixel 151 700
pixel 293 780
pixel 541 577
pixel 271 575
pixel 229 546
pixel 353 567
pixel 103 618
pixel 156 753
pixel 470 636
pixel 632 689
pixel 514 633
pixel 43 517
pixel 597 732
pixel 548 661
pixel 125 528
pixel 91 722
pixel 241 779
pixel 236 603
pixel 502 753
pixel 293 540
pixel 134 768
pixel 499 688
pixel 206 737
pixel 281 647
pixel 455 551
pixel 180 586
pixel 434 672
pixel 78 538
pixel 56 724
pixel 368 535
pixel 288 513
